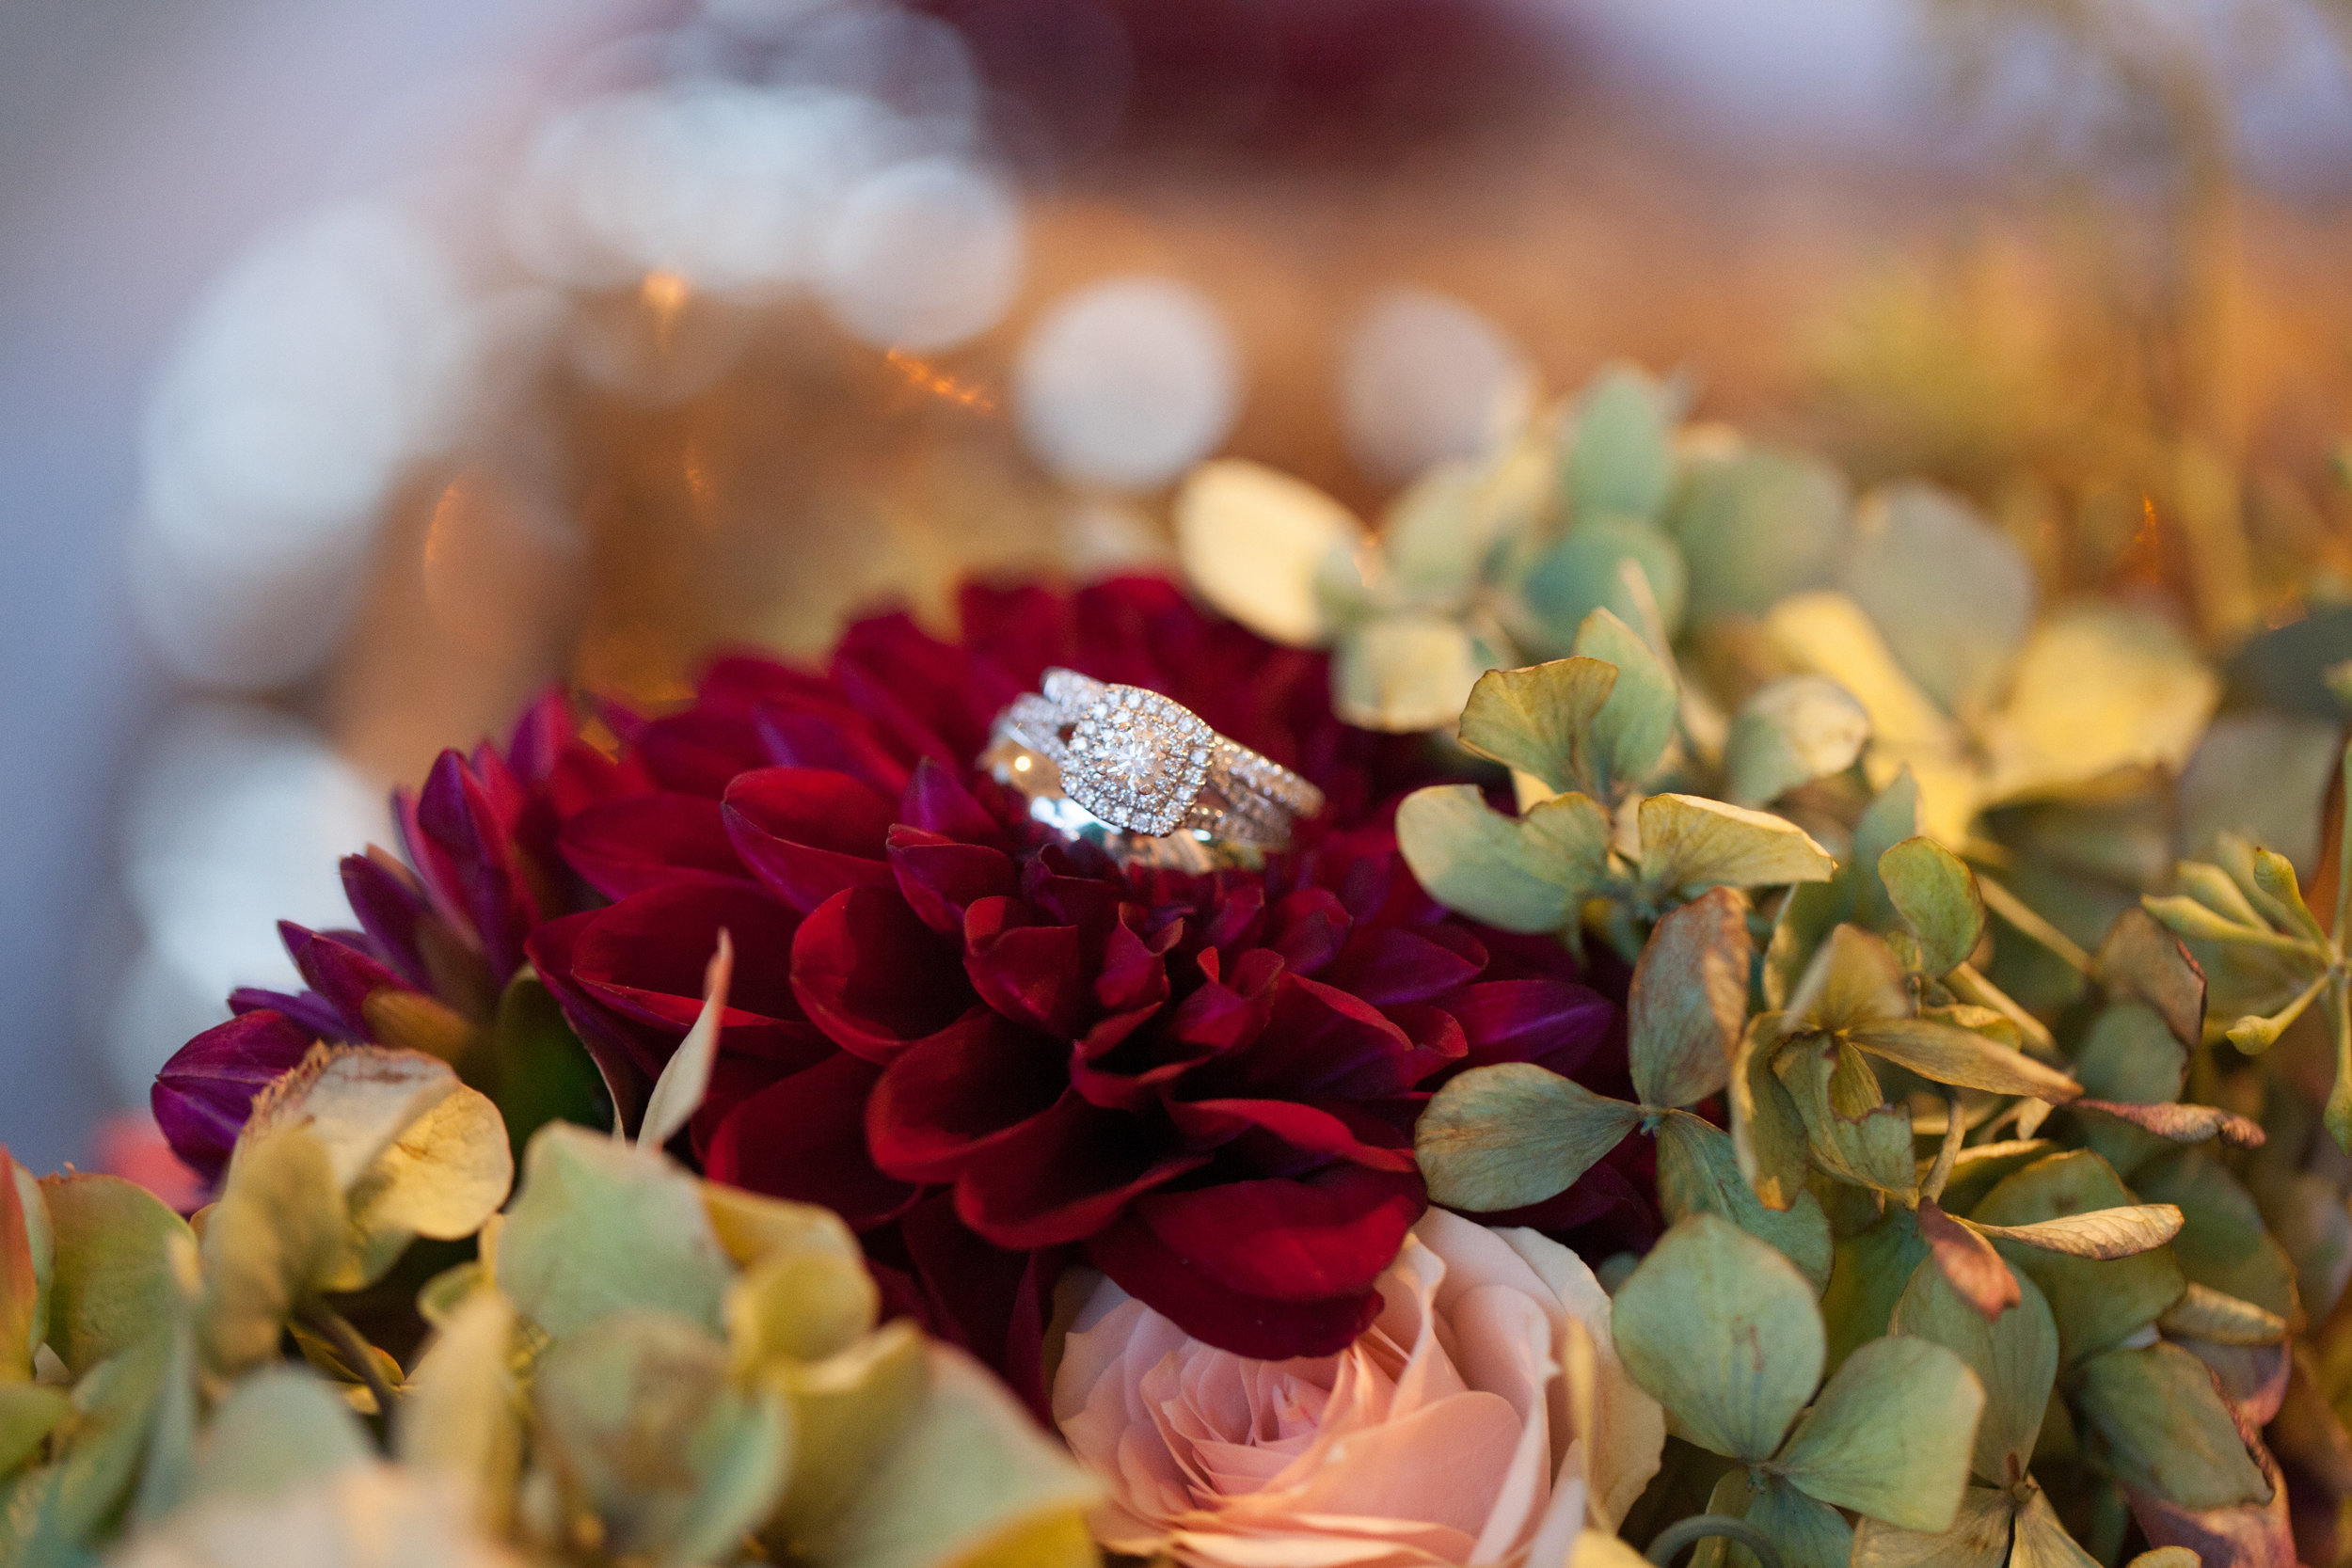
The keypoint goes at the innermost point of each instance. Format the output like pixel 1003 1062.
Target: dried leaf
pixel 2205 1313
pixel 1854 979
pixel 2098 688
pixel 2097 1303
pixel 1689 1000
pixel 1405 671
pixel 1767 1133
pixel 2142 961
pixel 1688 842
pixel 1629 732
pixel 278 1429
pixel 2155 1419
pixel 278 1232
pixel 1512 1134
pixel 599 1226
pixel 1890 1435
pixel 1619 457
pixel 799 1306
pixel 2120 1232
pixel 1792 731
pixel 1978 1538
pixel 1756 526
pixel 1952 594
pixel 2182 1124
pixel 113 1280
pixel 1850 1130
pixel 1969 1266
pixel 678 1092
pixel 1625 565
pixel 2042 1541
pixel 462 1413
pixel 1722 1330
pixel 1962 1057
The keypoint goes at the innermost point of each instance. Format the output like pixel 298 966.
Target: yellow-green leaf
pixel 1854 979
pixel 2205 1313
pixel 1794 730
pixel 278 1232
pixel 2015 1357
pixel 28 1412
pixel 1951 593
pixel 804 1306
pixel 1254 540
pixel 1476 861
pixel 279 1427
pixel 1404 672
pixel 2104 1233
pixel 1690 843
pixel 1698 1173
pixel 971 1475
pixel 850 1410
pixel 1511 1135
pixel 1722 1329
pixel 1631 731
pixel 1849 1129
pixel 461 1414
pixel 113 1286
pixel 1539 719
pixel 599 1226
pixel 1936 895
pixel 1689 1000
pixel 1619 455
pixel 1891 1435
pixel 2042 1541
pixel 1767 1133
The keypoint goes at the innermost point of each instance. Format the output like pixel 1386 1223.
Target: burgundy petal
pixel 204 1093
pixel 1317 1135
pixel 644 957
pixel 649 840
pixel 1033 972
pixel 942 878
pixel 873 977
pixel 389 905
pixel 1390 965
pixel 947 1099
pixel 1147 1268
pixel 1062 1176
pixel 1332 1234
pixel 804 1138
pixel 341 974
pixel 1554 1023
pixel 808 834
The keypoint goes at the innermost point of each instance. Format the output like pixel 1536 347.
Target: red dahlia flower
pixel 991 1049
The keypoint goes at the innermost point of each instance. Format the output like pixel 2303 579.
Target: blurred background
pixel 364 369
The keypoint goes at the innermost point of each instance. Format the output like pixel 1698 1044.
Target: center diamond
pixel 1137 760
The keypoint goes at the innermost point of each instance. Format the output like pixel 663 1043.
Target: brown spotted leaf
pixel 1968 1262
pixel 1689 1001
pixel 2182 1123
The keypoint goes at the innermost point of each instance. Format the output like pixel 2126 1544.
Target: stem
pixel 1955 1130
pixel 2012 909
pixel 353 1349
pixel 1684 1532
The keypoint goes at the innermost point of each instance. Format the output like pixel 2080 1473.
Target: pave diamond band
pixel 1146 763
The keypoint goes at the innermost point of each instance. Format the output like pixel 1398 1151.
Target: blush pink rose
pixel 1483 1419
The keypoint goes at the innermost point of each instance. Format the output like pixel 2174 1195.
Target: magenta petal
pixel 1063 1175
pixel 389 906
pixel 465 842
pixel 1554 1023
pixel 802 1137
pixel 1328 1235
pixel 204 1093
pixel 306 1010
pixel 808 833
pixel 937 803
pixel 1390 965
pixel 872 977
pixel 341 974
pixel 649 840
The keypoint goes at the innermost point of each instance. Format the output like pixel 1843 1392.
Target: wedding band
pixel 1146 763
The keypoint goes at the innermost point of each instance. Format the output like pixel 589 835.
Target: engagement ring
pixel 1144 764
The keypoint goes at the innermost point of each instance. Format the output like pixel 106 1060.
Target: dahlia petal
pixel 538 740
pixel 1147 1268
pixel 341 974
pixel 1318 1043
pixel 1390 965
pixel 1238 918
pixel 809 833
pixel 874 977
pixel 204 1093
pixel 929 697
pixel 1064 1174
pixel 644 958
pixel 307 1010
pixel 942 878
pixel 698 750
pixel 1133 977
pixel 1308 927
pixel 1554 1023
pixel 629 1054
pixel 1034 973
pixel 993 1302
pixel 947 1098
pixel 1222 1015
pixel 1438 1041
pixel 388 905
pixel 624 847
pixel 455 816
pixel 583 777
pixel 936 801
pixel 749 1062
pixel 835 744
pixel 748 680
pixel 802 1137
pixel 1315 1134
pixel 1330 1234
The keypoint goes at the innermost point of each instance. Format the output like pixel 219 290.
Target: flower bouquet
pixel 1641 1006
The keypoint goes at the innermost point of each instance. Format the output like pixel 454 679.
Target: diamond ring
pixel 1145 764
